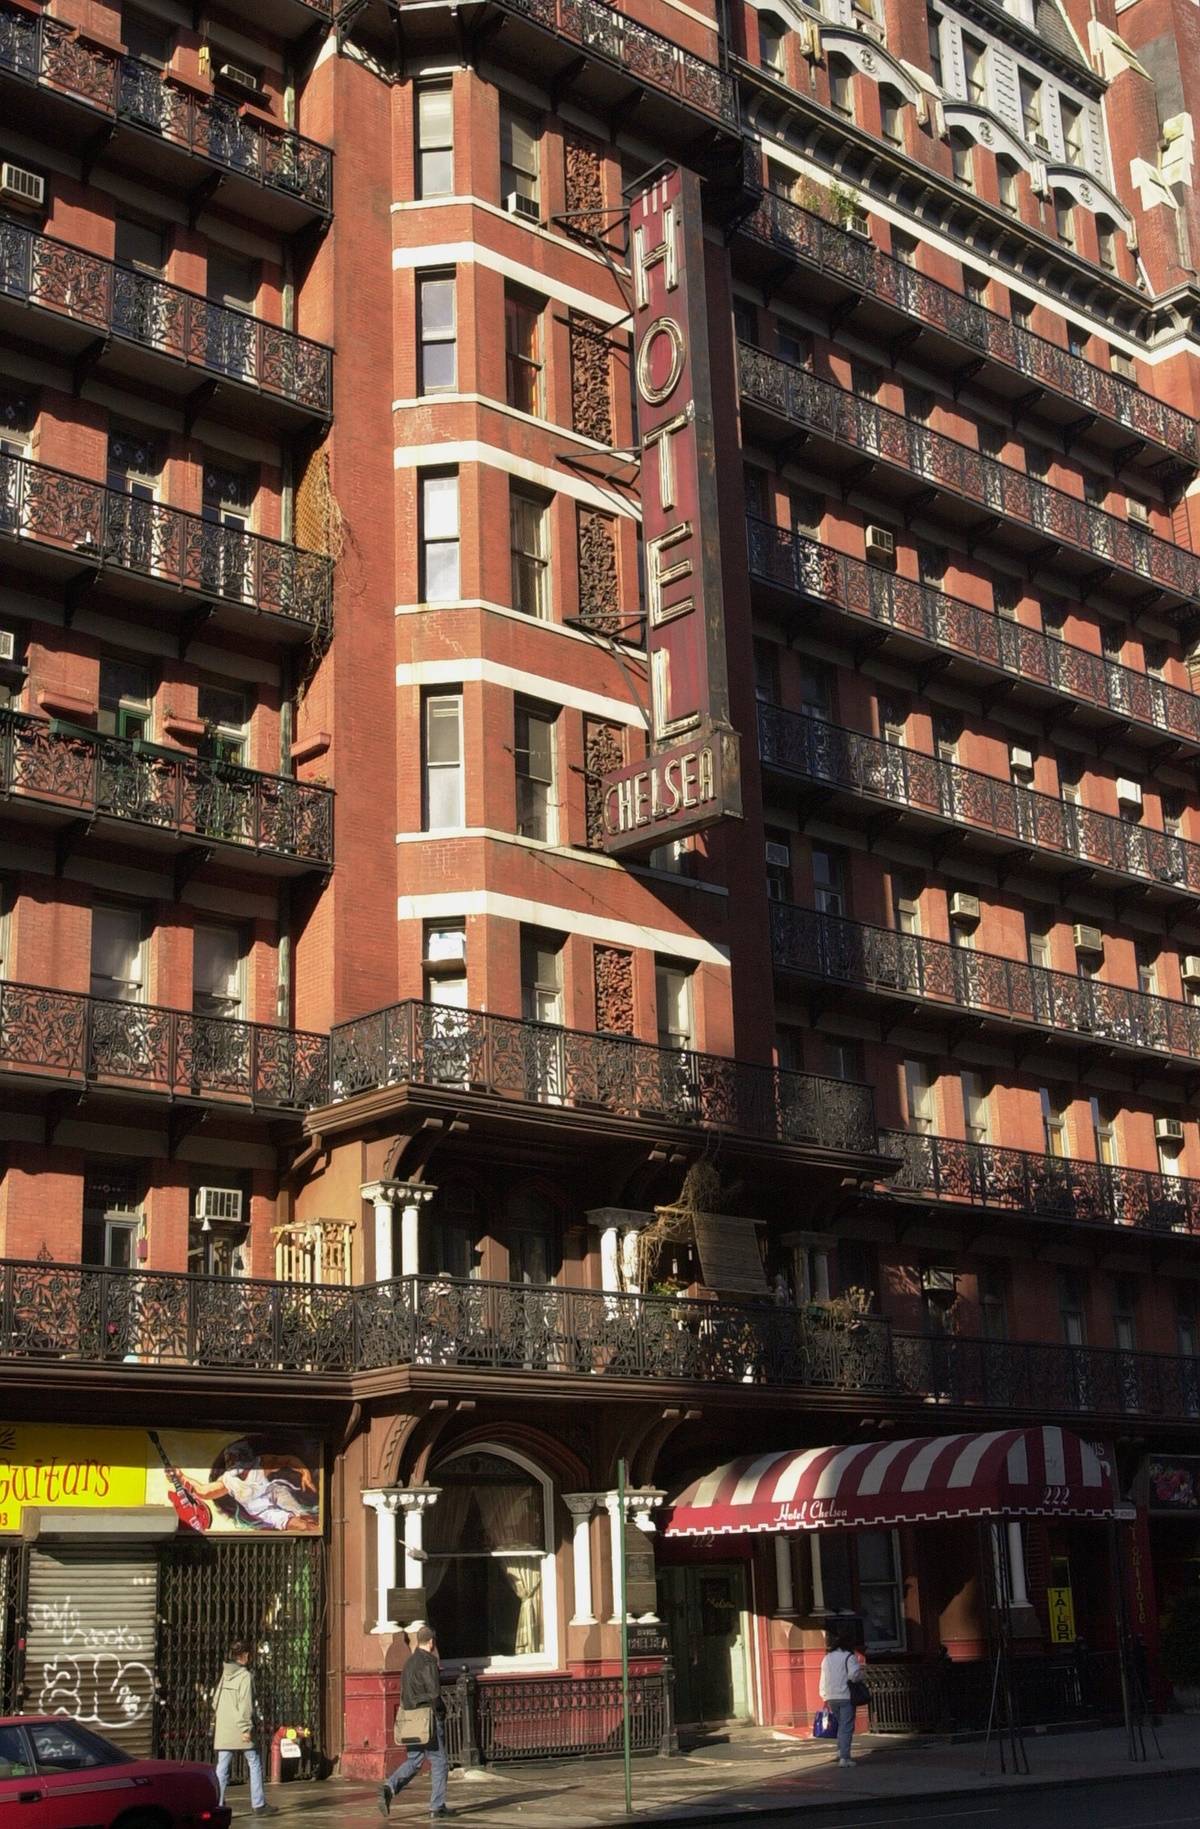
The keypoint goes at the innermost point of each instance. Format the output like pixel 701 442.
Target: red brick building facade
pixel 367 1108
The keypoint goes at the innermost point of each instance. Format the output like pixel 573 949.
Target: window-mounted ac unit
pixel 779 857
pixel 1087 939
pixel 239 77
pixel 881 545
pixel 1040 141
pixel 1021 760
pixel 8 645
pixel 1123 365
pixel 1137 511
pixel 1129 793
pixel 1190 969
pixel 25 189
pixel 219 1203
pixel 939 1281
pixel 1168 1130
pixel 964 909
pixel 517 205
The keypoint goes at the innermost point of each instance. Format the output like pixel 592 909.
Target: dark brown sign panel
pixel 691 777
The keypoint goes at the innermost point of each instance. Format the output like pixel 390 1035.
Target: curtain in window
pixel 525 1580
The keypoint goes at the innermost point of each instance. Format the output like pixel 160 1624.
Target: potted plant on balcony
pixel 1181 1650
pixel 846 1311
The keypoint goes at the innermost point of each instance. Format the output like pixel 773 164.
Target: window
pixel 1064 218
pixel 1070 774
pixel 859 1572
pixel 435 140
pixel 438 334
pixel 975 69
pixel 1125 1313
pixel 225 724
pixel 226 560
pixel 893 722
pixel 891 110
pixel 444 798
pixel 858 1268
pixel 1107 243
pixel 816 690
pixel 1095 489
pixel 216 971
pixel 947 730
pixel 1006 594
pixel 229 339
pixel 117 965
pixel 1138 510
pixel 529 524
pixel 771 32
pixel 541 976
pixel 124 700
pixel 745 321
pixel 112 1213
pixel 906 903
pixel 451 1242
pixel 1104 1130
pixel 975 1107
pixel 537 810
pixel 673 995
pixel 1006 178
pixel 918 1098
pixel 794 346
pixel 811 1273
pixel 439 536
pixel 1054 1123
pixel 1031 109
pixel 828 888
pixel 518 158
pixel 1168 1150
pixel 1147 968
pixel 864 380
pixel 444 966
pixel 841 87
pixel 522 352
pixel 146 38
pixel 961 161
pixel 843 1059
pixel 766 672
pixel 935 47
pixel 489 1573
pixel 1071 118
pixel 132 471
pixel 993 1303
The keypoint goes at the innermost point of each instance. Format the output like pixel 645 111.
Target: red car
pixel 55 1774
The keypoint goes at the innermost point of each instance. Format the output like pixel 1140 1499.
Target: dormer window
pixel 841 90
pixel 1071 117
pixel 891 107
pixel 1031 111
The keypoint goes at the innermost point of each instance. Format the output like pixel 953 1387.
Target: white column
pixel 415 1501
pixel 783 1575
pixel 1016 1565
pixel 630 1261
pixel 581 1505
pixel 382 1197
pixel 384 1501
pixel 610 1272
pixel 616 1526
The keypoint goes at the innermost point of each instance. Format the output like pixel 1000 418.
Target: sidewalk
pixel 751 1771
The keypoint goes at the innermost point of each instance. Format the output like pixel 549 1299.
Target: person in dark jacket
pixel 421 1687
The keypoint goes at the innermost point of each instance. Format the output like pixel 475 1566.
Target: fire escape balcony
pixel 919 980
pixel 507 1058
pixel 76 781
pixel 1014 823
pixel 829 265
pixel 54 77
pixel 85 535
pixel 1054 1191
pixel 140 331
pixel 50 1039
pixel 853 438
pixel 999 657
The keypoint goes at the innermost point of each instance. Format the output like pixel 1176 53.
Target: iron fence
pixel 938 1695
pixel 499 1720
pixel 164 789
pixel 1028 1377
pixel 945 464
pixel 839 951
pixel 50 52
pixel 113 530
pixel 827 246
pixel 799 564
pixel 906 777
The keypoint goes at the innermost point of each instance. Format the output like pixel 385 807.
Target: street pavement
pixel 1078 1778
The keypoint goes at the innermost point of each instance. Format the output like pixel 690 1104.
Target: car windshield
pixel 64 1746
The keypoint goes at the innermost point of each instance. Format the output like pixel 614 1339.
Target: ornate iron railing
pixel 181 325
pixel 166 789
pixel 796 563
pixel 937 1695
pixel 429 1045
pixel 50 52
pixel 639 52
pixel 1059 1188
pixel 110 529
pixel 838 951
pixel 64 1035
pixel 907 777
pixel 946 464
pixel 1029 1378
pixel 867 269
pixel 493 1720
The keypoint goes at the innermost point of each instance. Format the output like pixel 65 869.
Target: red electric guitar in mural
pixel 194 1513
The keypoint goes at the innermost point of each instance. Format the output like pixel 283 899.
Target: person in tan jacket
pixel 233 1727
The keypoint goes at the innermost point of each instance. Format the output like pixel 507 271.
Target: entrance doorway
pixel 705 1611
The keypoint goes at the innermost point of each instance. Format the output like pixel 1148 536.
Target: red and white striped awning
pixel 1030 1473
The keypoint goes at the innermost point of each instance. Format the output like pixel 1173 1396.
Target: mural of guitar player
pixel 253 1483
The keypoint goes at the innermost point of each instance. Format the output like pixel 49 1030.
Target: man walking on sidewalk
pixel 421 1687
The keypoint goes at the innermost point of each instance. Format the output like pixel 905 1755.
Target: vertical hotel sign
pixel 691 777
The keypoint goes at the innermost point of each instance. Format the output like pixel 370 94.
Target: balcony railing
pixel 1058 1188
pixel 799 564
pixel 942 463
pixel 49 52
pixel 166 790
pixel 54 1035
pixel 238 1325
pixel 115 531
pixel 906 777
pixel 430 1045
pixel 879 276
pixel 175 324
pixel 838 951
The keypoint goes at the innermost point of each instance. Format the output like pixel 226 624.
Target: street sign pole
pixel 623 1573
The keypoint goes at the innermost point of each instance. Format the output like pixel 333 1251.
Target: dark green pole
pixel 624 1605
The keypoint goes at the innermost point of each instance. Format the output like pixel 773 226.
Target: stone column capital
pixel 398 1193
pixel 582 1504
pixel 383 1498
pixel 418 1498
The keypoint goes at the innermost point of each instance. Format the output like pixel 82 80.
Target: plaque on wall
pixel 641 1583
pixel 647 1642
pixel 407 1604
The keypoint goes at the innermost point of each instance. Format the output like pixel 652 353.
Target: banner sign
pixel 1060 1604
pixel 1174 1484
pixel 691 778
pixel 217 1483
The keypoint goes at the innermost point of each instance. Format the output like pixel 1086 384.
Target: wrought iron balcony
pixel 106 532
pixel 51 1037
pixel 796 563
pixel 962 797
pixel 1008 991
pixel 179 328
pixel 1051 1188
pixel 283 166
pixel 847 423
pixel 163 790
pixel 1027 1378
pixel 880 278
pixel 428 1045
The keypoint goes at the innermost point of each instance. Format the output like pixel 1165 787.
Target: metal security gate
pixel 11 1563
pixel 269 1594
pixel 91 1615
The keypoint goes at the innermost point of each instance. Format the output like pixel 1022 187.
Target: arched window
pixel 1064 217
pixel 1106 236
pixel 489 1573
pixel 841 87
pixel 961 161
pixel 771 35
pixel 1006 178
pixel 891 110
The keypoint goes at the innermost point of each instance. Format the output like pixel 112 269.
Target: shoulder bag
pixel 414 1726
pixel 856 1689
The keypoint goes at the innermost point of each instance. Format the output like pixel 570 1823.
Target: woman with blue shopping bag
pixel 841 1688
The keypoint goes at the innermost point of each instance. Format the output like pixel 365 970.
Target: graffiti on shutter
pixel 90 1640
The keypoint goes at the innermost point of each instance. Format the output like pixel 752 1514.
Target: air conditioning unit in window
pixel 938 1281
pixel 881 546
pixel 1087 939
pixel 1190 968
pixel 779 857
pixel 25 189
pixel 516 205
pixel 1129 793
pixel 1040 141
pixel 219 1203
pixel 964 909
pixel 1123 365
pixel 1168 1130
pixel 1020 760
pixel 8 645
pixel 1137 511
pixel 239 78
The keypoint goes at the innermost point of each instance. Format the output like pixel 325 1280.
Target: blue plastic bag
pixel 825 1725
